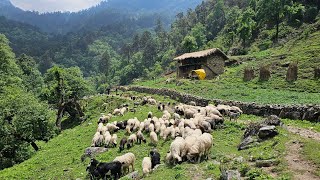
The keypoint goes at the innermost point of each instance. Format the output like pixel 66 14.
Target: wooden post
pixel 292 73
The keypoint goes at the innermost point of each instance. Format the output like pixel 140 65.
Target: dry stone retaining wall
pixel 305 112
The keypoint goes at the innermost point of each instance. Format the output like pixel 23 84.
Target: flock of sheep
pixel 189 126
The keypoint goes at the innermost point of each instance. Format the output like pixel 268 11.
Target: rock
pixel 267 132
pixel 92 151
pixel 239 159
pixel 246 143
pixel 273 120
pixel 230 175
pixel 133 175
pixel 267 163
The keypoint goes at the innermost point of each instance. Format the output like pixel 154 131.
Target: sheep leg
pixel 132 165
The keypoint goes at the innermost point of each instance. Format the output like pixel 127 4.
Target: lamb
pixel 104 119
pixel 154 138
pixel 100 169
pixel 107 138
pixel 113 140
pixel 167 132
pixel 123 111
pixel 116 112
pixel 126 160
pixel 140 137
pixel 132 138
pixel 233 115
pixel 146 165
pixel 97 140
pixel 152 101
pixel 155 158
pixel 112 127
pixel 123 142
pixel 178 149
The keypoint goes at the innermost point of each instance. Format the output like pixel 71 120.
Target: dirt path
pixel 301 169
pixel 304 132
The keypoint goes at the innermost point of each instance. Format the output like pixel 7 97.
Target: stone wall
pixel 306 112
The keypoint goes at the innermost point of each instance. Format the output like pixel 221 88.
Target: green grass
pixel 305 49
pixel 303 124
pixel 60 157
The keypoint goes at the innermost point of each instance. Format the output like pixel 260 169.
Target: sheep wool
pixel 154 138
pixel 146 165
pixel 126 160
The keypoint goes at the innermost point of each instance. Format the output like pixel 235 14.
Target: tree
pixel 64 88
pixel 23 118
pixel 198 32
pixel 105 63
pixel 216 19
pixel 189 44
pixel 31 76
pixel 246 25
pixel 272 11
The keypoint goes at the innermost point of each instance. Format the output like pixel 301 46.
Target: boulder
pixel 246 143
pixel 267 132
pixel 267 163
pixel 133 175
pixel 230 175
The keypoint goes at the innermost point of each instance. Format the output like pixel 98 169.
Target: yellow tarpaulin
pixel 201 73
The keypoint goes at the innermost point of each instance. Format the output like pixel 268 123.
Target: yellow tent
pixel 201 73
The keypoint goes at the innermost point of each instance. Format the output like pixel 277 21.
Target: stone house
pixel 211 60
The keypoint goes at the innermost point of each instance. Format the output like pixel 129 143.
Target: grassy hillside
pixel 304 49
pixel 60 157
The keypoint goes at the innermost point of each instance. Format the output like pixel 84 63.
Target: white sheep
pixel 100 128
pixel 189 113
pixel 116 112
pixel 112 127
pixel 132 139
pixel 136 125
pixel 97 140
pixel 152 101
pixel 166 115
pixel 114 139
pixel 162 129
pixel 149 114
pixel 107 138
pixel 123 111
pixel 190 124
pixel 151 127
pixel 140 137
pixel 128 129
pixel 141 126
pixel 178 149
pixel 126 160
pixel 146 165
pixel 167 132
pixel 157 126
pixel 207 141
pixel 154 138
pixel 195 148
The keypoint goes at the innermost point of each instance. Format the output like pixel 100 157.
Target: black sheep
pixel 121 125
pixel 100 169
pixel 123 142
pixel 155 158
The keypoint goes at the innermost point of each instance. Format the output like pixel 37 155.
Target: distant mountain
pixel 104 14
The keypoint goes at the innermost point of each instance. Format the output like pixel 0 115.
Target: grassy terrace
pixel 60 157
pixel 229 86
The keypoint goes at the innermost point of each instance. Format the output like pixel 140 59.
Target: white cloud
pixel 55 5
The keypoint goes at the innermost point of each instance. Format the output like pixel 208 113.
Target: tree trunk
pixel 34 145
pixel 59 116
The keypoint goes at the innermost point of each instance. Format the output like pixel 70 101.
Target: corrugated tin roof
pixel 201 54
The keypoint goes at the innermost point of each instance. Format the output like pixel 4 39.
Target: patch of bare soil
pixel 301 169
pixel 304 132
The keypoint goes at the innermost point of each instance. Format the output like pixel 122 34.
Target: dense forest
pixel 53 62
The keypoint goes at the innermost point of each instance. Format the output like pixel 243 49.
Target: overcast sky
pixel 55 5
